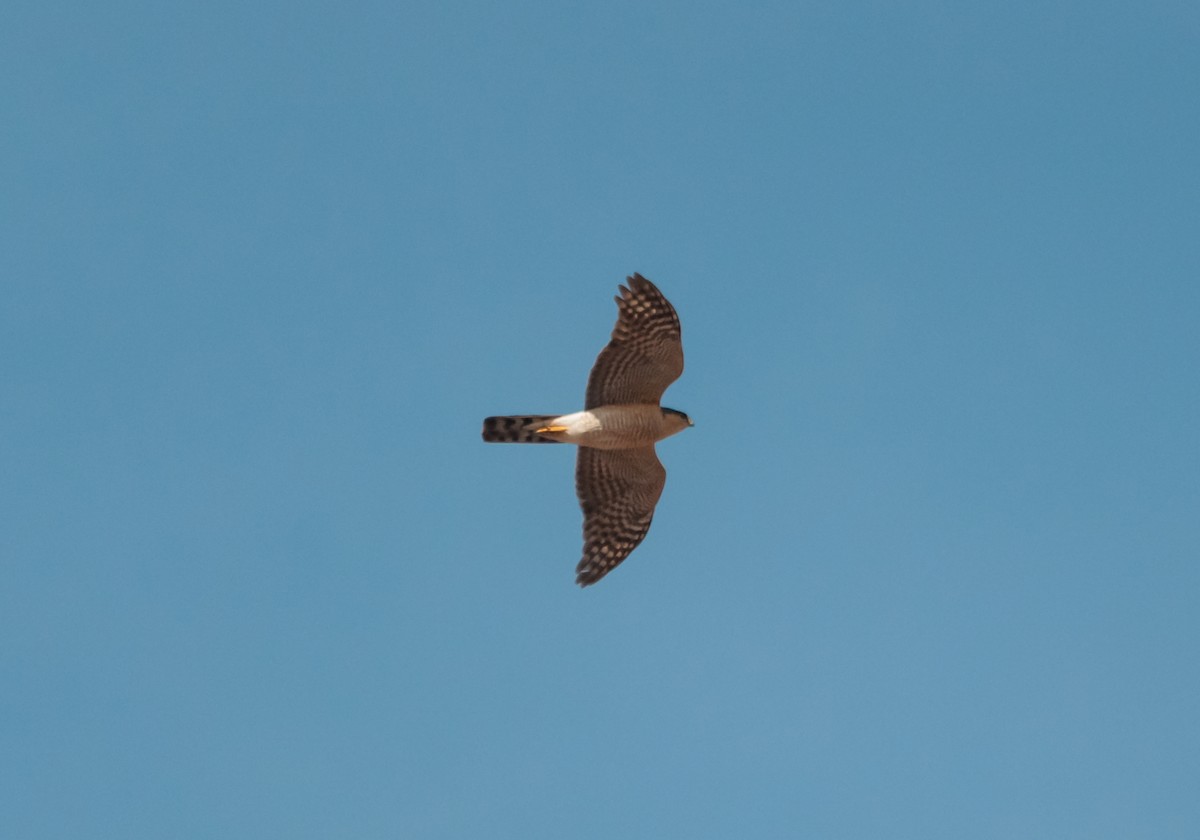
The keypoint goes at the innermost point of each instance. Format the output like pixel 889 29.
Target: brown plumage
pixel 618 476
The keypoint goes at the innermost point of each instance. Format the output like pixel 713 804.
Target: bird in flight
pixel 618 477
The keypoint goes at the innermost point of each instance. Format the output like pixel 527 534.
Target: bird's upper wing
pixel 645 354
pixel 617 489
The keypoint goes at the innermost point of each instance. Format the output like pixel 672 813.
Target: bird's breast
pixel 614 426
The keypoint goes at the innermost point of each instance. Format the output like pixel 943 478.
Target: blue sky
pixel 926 567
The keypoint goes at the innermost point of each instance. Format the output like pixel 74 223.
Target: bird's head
pixel 677 421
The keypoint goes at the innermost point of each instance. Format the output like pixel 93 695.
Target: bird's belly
pixel 614 427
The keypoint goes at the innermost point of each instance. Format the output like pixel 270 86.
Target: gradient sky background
pixel 926 567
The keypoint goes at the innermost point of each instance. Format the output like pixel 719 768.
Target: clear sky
pixel 926 567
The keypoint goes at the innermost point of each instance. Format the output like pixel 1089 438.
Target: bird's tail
pixel 517 429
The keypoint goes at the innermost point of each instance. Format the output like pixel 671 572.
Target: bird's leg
pixel 550 430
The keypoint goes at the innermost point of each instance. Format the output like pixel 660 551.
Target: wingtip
pixel 585 579
pixel 586 574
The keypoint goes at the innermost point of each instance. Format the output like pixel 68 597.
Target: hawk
pixel 618 477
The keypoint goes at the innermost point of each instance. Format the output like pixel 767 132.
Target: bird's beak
pixel 691 422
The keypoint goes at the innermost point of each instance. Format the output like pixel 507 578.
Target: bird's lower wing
pixel 617 489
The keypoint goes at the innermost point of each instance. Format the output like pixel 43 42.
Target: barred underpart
pixel 617 489
pixel 645 354
pixel 618 477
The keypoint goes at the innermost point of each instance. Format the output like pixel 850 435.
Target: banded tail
pixel 518 429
